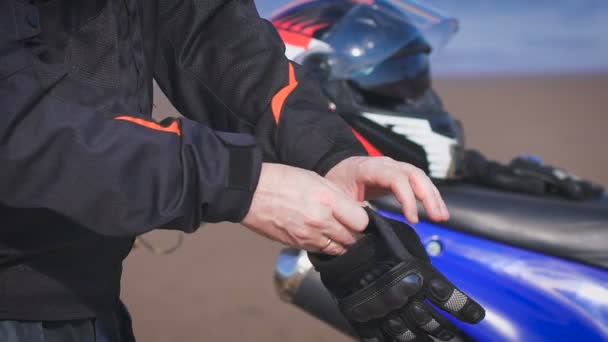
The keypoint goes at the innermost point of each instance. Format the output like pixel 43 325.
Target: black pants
pixel 110 327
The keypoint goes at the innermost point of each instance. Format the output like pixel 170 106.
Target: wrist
pixel 243 173
pixel 334 159
pixel 272 176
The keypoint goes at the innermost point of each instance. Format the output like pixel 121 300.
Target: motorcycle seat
pixel 568 229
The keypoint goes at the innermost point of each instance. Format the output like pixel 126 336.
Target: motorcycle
pixel 537 264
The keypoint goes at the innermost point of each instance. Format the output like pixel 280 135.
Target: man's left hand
pixel 365 178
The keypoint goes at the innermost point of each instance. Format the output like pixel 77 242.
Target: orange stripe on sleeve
pixel 279 98
pixel 172 128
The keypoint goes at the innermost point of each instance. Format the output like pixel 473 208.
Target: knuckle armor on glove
pixel 383 281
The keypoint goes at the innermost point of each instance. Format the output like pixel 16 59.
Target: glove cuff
pixel 339 272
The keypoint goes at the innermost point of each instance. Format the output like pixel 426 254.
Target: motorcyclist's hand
pixel 302 209
pixel 364 178
pixel 384 285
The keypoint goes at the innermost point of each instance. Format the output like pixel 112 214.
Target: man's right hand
pixel 302 209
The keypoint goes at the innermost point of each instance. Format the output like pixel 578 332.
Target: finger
pixel 404 194
pixel 339 233
pixel 446 296
pixel 350 214
pixel 398 329
pixel 424 190
pixel 368 332
pixel 315 232
pixel 332 248
pixel 309 238
pixel 389 174
pixel 444 208
pixel 393 178
pixel 428 320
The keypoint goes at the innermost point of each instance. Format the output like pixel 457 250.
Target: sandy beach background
pixel 218 286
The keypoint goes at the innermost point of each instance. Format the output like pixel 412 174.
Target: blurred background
pixel 523 76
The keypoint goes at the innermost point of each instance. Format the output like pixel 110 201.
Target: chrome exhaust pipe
pixel 298 283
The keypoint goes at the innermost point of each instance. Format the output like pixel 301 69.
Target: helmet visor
pixel 372 32
pixel 436 27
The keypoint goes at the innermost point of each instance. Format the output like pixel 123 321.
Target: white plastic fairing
pixel 292 51
pixel 298 53
pixel 439 148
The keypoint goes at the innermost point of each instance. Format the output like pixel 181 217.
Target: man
pixel 84 168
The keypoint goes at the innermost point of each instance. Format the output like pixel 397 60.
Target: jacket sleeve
pixel 118 174
pixel 222 56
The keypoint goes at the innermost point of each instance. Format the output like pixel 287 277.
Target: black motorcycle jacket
pixel 84 168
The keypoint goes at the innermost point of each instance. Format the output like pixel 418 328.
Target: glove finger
pixel 428 320
pixel 399 329
pixel 446 296
pixel 368 332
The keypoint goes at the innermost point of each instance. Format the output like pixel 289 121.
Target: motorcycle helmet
pixel 372 58
pixel 382 47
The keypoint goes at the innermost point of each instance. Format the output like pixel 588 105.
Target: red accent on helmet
pixel 310 31
pixel 312 17
pixel 294 39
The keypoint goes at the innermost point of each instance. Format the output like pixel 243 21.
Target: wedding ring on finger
pixel 329 242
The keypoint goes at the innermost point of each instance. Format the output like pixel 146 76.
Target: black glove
pixel 527 176
pixel 383 281
pixel 556 181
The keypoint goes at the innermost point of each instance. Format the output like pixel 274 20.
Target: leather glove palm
pixel 382 284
